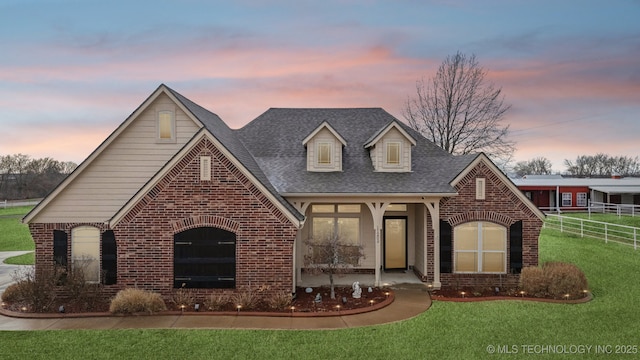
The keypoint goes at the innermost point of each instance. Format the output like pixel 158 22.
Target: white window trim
pixel 386 154
pixel 338 215
pixel 173 127
pixel 205 168
pixel 481 185
pixel 331 146
pixel 568 198
pixel 581 199
pixel 479 253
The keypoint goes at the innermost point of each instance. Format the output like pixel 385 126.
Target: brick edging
pixel 374 307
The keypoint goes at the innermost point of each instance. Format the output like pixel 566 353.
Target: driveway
pixel 6 270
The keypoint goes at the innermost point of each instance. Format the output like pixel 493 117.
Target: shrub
pixel 564 279
pixel 183 297
pixel 16 292
pixel 247 300
pixel 217 302
pixel 129 301
pixel 533 281
pixel 279 301
pixel 36 290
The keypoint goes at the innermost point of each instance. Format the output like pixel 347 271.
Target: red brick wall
pixel 500 206
pixel 180 201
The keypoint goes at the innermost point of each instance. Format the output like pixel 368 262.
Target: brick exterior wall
pixel 180 201
pixel 501 206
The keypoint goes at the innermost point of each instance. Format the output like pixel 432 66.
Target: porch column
pixel 377 213
pixel 434 211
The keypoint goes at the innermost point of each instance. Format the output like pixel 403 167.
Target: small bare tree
pixel 460 111
pixel 333 256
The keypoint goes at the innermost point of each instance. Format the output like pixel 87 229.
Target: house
pixel 174 196
pixel 558 193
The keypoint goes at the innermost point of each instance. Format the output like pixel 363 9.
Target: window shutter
pixel 515 247
pixel 445 248
pixel 60 242
pixel 109 258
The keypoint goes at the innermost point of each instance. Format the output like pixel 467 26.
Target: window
pixel 566 199
pixel 85 251
pixel 324 153
pixel 341 220
pixel 393 153
pixel 480 188
pixel 581 199
pixel 480 247
pixel 166 126
pixel 205 168
pixel 205 258
pixel 397 207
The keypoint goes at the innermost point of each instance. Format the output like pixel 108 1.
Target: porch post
pixel 377 213
pixel 434 211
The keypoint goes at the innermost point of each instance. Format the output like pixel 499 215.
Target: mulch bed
pixel 487 294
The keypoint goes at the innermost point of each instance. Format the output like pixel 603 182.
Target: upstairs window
pixel 324 153
pixel 166 126
pixel 393 154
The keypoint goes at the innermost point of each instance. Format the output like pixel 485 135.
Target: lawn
pixel 446 331
pixel 14 235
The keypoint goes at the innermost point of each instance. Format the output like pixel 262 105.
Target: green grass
pixel 26 259
pixel 446 331
pixel 14 235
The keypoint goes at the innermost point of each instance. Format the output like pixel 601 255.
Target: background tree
pixel 460 111
pixel 22 177
pixel 331 256
pixel 535 166
pixel 603 165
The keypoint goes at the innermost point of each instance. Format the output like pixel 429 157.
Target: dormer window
pixel 393 153
pixel 166 126
pixel 324 149
pixel 390 149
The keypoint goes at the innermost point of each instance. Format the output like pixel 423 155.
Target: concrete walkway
pixel 410 301
pixel 6 270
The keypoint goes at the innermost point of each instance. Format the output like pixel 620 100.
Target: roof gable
pixel 383 131
pixel 324 125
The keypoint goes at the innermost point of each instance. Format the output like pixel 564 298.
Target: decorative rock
pixel 370 289
pixel 318 298
pixel 308 290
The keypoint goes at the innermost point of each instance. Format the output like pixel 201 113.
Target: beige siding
pixel 324 135
pixel 379 156
pixel 127 163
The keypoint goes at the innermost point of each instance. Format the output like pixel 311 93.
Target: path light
pixel 386 294
pixel 182 307
pixel 196 307
pixel 566 296
pixel 293 308
pixel 238 307
pixel 24 308
pixel 463 293
pixel 429 287
pixel 3 304
pixel 338 306
pixel 371 302
pixel 585 292
pixel 522 293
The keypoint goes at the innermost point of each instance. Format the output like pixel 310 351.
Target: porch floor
pixel 386 279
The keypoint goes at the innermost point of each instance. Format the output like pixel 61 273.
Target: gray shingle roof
pixel 275 141
pixel 230 141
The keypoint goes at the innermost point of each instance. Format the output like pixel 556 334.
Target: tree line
pixel 599 165
pixel 22 177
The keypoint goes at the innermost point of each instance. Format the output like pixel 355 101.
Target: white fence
pixel 619 209
pixel 7 204
pixel 622 234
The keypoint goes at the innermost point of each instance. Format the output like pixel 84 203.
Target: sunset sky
pixel 72 71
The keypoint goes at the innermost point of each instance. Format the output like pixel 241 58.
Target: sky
pixel 72 70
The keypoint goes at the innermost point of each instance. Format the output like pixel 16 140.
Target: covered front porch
pixel 396 235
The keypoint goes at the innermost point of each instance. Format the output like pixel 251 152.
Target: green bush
pixel 129 301
pixel 533 282
pixel 564 279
